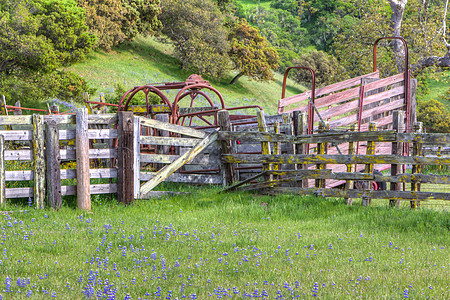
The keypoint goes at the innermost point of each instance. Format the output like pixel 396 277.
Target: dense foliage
pixel 325 66
pixel 251 53
pixel 41 35
pixel 198 32
pixel 435 115
pixel 116 21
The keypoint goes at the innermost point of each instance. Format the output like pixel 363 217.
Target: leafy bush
pixel 34 89
pixel 327 68
pixel 200 37
pixel 116 21
pixel 434 115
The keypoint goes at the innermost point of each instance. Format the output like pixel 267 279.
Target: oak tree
pixel 251 53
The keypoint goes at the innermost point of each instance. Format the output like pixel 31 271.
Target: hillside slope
pixel 148 61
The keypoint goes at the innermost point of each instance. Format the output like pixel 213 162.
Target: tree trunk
pixel 236 78
pixel 398 8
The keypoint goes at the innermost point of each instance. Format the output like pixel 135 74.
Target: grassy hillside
pixel 148 61
pixel 254 3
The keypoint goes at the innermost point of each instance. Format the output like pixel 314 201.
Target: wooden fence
pixel 47 157
pixel 312 171
pixel 33 149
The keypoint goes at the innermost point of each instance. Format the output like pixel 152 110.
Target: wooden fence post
pixel 300 128
pixel 17 111
pixel 277 145
pixel 2 171
pixel 321 150
pixel 137 156
pixel 82 156
pixel 226 169
pixel 351 168
pixel 125 153
pixel 265 146
pixel 398 124
pixel 39 160
pixel 416 169
pixel 53 160
pixel 369 167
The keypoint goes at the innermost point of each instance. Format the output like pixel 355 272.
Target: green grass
pixel 252 4
pixel 148 61
pixel 207 243
pixel 438 84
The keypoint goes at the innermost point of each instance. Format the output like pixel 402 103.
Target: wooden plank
pixel 183 159
pixel 416 169
pixel 82 157
pixel 136 156
pixel 351 168
pixel 158 194
pixel 93 154
pixel 95 189
pixel 162 133
pixel 327 89
pixel 435 139
pixel 353 105
pixel 168 159
pixel 16 120
pixel 153 109
pixel 334 159
pixel 19 192
pixel 20 155
pixel 227 170
pixel 60 119
pixel 321 150
pixel 328 137
pixel 2 171
pixel 172 128
pixel 384 82
pixel 53 161
pixel 186 178
pixel 104 119
pixel 378 194
pixel 92 134
pixel 239 184
pixel 370 150
pixel 265 146
pixel 348 120
pixel 17 135
pixel 94 173
pixel 20 175
pixel 398 118
pixel 125 155
pixel 190 110
pixel 39 161
pixel 168 141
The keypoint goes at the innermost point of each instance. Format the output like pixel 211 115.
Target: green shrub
pixel 33 90
pixel 434 115
pixel 327 68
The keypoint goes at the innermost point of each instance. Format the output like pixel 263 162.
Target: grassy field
pixel 251 4
pixel 225 246
pixel 149 61
pixel 438 84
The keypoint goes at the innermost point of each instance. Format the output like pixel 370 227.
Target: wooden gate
pixel 165 148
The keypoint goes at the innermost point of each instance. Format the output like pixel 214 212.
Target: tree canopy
pixel 251 54
pixel 116 21
pixel 197 29
pixel 41 35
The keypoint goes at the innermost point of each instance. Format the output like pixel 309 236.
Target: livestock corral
pixel 354 139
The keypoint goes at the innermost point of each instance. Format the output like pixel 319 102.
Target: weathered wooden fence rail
pixel 316 164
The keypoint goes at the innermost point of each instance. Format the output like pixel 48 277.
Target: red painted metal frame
pixel 406 71
pixel 313 94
